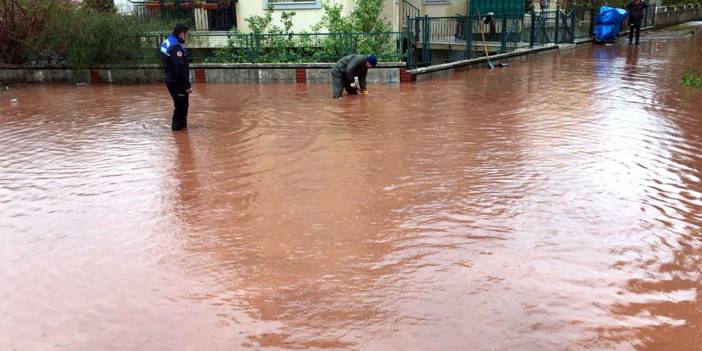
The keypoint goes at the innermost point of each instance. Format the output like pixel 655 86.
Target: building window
pixel 293 4
pixel 435 2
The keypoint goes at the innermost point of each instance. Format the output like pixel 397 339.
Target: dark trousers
pixel 339 83
pixel 634 26
pixel 180 104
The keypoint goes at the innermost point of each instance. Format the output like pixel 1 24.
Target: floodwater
pixel 554 204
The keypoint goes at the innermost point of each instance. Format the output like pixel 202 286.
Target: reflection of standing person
pixel 186 193
pixel 630 69
pixel 635 11
pixel 346 69
pixel 176 74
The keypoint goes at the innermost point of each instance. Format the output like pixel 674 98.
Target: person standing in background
pixel 635 12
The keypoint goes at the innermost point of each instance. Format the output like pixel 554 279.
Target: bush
pixel 100 6
pixel 21 22
pixel 364 18
pixel 333 21
pixel 692 79
pixel 305 47
pixel 61 32
pixel 78 38
pixel 268 42
pixel 364 22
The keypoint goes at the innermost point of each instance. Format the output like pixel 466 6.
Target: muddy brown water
pixel 554 204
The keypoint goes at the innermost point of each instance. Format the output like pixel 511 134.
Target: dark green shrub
pixel 692 79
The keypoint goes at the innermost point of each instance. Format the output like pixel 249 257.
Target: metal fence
pixel 649 16
pixel 281 48
pixel 407 10
pixel 435 40
pixel 583 22
pixel 199 15
pixel 447 39
pixel 551 27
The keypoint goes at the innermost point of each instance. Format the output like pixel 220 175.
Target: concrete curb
pixel 480 61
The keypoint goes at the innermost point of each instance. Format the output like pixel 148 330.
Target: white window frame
pixel 292 5
pixel 436 2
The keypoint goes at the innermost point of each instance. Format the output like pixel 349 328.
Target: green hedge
pixel 320 47
pixel 692 79
pixel 63 33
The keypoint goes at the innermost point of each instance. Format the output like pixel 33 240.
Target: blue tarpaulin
pixel 608 23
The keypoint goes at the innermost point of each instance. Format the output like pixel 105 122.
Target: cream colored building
pixel 440 8
pixel 309 12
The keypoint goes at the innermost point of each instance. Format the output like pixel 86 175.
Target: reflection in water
pixel 554 204
pixel 186 178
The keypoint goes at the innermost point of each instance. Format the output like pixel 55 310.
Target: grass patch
pixel 692 79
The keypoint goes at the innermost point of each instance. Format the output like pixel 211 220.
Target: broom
pixel 487 56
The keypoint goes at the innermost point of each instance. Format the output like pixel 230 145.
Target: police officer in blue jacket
pixel 176 74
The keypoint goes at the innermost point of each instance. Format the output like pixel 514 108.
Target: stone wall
pixel 385 73
pixel 671 15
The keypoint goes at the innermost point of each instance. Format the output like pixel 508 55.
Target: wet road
pixel 555 204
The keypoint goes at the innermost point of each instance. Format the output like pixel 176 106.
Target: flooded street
pixel 555 204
